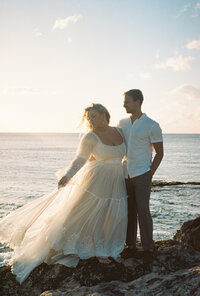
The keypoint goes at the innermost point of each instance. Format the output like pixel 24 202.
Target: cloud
pixel 194 44
pixel 157 56
pixel 178 63
pixel 130 75
pixel 37 32
pixel 183 10
pixel 197 5
pixel 188 90
pixel 69 40
pixel 29 90
pixel 145 75
pixel 63 23
pixel 196 10
pixel 21 90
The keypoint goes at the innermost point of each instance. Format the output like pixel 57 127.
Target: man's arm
pixel 158 156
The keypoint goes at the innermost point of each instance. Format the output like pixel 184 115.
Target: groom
pixel 142 134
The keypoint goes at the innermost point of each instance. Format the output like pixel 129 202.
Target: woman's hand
pixel 62 182
pixel 92 158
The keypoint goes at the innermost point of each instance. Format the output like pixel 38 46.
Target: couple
pixel 87 215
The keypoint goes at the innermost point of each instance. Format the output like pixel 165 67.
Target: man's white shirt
pixel 139 137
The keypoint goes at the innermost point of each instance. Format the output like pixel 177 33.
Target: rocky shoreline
pixel 160 183
pixel 175 271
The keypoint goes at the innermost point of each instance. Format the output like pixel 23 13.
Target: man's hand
pixel 62 182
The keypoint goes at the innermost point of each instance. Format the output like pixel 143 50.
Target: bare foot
pixel 104 260
pixel 119 260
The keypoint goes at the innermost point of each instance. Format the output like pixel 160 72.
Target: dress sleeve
pixel 84 150
pixel 156 134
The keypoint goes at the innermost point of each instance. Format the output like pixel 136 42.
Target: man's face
pixel 129 104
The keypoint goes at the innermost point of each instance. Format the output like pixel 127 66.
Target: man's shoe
pixel 129 252
pixel 149 256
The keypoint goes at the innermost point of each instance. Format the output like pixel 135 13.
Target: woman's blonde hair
pixel 98 107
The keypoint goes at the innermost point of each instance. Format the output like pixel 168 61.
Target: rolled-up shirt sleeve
pixel 156 134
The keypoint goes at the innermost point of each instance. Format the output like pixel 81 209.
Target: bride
pixel 86 216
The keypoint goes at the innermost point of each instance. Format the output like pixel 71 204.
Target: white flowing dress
pixel 85 218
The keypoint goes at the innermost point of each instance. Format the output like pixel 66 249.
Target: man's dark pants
pixel 139 190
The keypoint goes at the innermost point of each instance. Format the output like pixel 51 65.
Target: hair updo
pixel 97 107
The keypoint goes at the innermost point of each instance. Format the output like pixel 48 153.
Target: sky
pixel 59 56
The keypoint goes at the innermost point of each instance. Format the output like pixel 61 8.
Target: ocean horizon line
pixel 63 133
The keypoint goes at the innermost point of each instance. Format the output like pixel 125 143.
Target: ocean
pixel 28 163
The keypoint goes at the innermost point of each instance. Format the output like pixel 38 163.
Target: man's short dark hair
pixel 136 94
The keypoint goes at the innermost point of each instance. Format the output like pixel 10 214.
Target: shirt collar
pixel 143 116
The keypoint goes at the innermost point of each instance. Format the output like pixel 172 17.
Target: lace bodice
pixel 91 144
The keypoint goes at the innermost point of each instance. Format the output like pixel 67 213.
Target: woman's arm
pixel 84 151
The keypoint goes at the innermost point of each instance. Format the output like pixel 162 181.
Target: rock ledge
pixel 175 271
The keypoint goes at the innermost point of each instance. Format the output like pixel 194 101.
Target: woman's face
pixel 95 118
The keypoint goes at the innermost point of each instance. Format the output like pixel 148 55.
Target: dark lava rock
pixel 189 233
pixel 175 271
pixel 160 183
